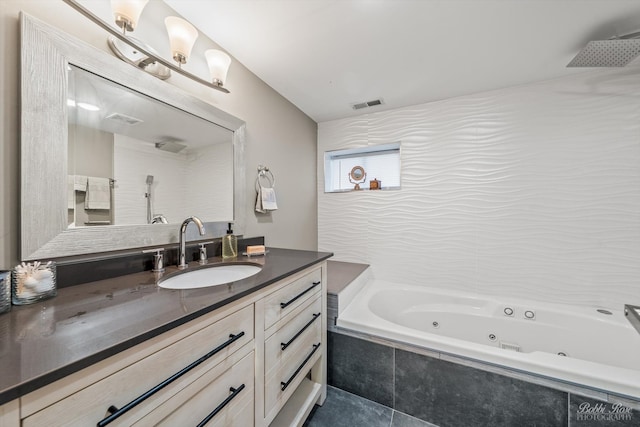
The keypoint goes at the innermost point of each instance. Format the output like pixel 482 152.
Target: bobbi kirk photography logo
pixel 603 412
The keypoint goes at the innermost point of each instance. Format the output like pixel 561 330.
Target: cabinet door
pixel 286 299
pixel 284 341
pixel 226 398
pixel 283 379
pixel 10 414
pixel 89 405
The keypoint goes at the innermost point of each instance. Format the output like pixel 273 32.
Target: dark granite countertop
pixel 340 274
pixel 43 342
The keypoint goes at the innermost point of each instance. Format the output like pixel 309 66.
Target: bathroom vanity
pixel 248 353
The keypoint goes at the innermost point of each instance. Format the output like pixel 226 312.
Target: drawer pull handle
pixel 284 345
pixel 234 393
pixel 284 304
pixel 283 385
pixel 116 413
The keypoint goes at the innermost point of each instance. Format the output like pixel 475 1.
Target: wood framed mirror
pixel 48 58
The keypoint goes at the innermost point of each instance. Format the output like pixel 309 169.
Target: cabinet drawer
pixel 307 322
pixel 89 405
pixel 284 300
pixel 291 367
pixel 230 394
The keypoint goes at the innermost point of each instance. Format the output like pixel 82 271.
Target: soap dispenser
pixel 229 244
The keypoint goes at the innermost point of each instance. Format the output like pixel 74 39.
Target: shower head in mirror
pixel 170 146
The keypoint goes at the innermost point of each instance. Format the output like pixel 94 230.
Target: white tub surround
pixel 601 349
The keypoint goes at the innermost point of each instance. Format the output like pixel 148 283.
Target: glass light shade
pixel 182 36
pixel 218 65
pixel 127 12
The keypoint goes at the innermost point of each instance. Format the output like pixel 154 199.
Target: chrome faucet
pixel 183 229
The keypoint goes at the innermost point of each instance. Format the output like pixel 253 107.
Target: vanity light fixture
pixel 87 106
pixel 218 62
pixel 83 105
pixel 127 12
pixel 182 36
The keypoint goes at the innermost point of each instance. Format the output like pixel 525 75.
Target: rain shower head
pixel 615 52
pixel 170 146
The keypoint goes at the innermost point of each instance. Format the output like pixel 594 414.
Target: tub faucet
pixel 183 230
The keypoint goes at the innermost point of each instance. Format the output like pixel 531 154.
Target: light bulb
pixel 127 12
pixel 218 62
pixel 182 36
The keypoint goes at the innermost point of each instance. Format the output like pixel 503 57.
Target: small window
pixel 343 169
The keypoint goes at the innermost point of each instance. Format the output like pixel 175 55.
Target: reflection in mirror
pixel 135 160
pixel 53 211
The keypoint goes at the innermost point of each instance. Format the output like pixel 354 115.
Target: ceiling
pixel 325 55
pixel 119 110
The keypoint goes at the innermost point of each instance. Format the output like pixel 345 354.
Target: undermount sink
pixel 210 276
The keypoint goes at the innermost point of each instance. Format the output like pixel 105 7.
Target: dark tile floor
pixel 343 409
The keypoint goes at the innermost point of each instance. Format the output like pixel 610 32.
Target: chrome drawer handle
pixel 234 393
pixel 284 345
pixel 284 385
pixel 116 413
pixel 284 304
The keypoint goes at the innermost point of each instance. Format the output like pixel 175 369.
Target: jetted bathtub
pixel 589 347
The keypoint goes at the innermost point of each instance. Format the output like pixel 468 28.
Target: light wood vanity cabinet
pixel 257 361
pixel 291 325
pixel 88 405
pixel 10 414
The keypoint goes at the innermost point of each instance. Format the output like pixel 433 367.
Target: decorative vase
pixel 33 282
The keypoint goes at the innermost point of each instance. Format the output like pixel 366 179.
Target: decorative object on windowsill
pixel 5 290
pixel 33 282
pixel 266 197
pixel 374 184
pixel 357 176
pixel 182 36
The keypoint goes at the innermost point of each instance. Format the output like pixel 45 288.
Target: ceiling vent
pixel 361 105
pixel 123 118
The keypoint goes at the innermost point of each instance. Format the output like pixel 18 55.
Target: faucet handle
pixel 203 253
pixel 158 259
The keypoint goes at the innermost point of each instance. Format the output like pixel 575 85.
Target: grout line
pixel 568 409
pixel 393 378
pixel 393 414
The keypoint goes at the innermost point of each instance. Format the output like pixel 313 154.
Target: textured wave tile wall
pixel 528 192
pixel 168 187
pixel 214 202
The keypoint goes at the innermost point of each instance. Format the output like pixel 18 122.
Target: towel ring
pixel 265 173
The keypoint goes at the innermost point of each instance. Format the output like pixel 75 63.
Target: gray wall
pixel 278 134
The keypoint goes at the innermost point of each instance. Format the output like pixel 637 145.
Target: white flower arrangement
pixel 34 278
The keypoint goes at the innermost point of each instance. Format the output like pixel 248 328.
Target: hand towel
pixel 259 207
pixel 269 199
pixel 71 192
pixel 98 193
pixel 80 183
pixel 266 199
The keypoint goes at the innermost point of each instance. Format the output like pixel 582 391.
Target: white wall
pixel 278 134
pixel 210 163
pixel 184 183
pixel 530 192
pixel 131 167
